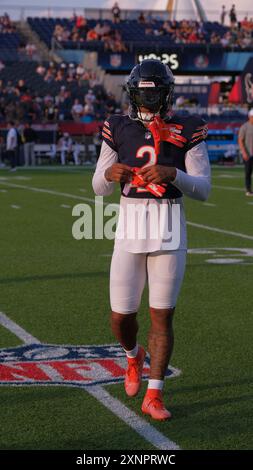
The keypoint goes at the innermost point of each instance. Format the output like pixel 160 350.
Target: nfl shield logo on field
pixel 51 364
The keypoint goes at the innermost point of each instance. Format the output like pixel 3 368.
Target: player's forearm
pixel 101 186
pixel 196 187
pixel 196 182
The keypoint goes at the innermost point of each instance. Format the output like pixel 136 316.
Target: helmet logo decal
pixel 144 84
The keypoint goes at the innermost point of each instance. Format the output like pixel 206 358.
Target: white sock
pixel 155 384
pixel 133 353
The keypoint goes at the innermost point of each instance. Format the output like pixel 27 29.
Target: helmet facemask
pixel 156 100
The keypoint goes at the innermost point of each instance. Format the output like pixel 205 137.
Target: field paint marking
pixel 3 190
pixel 87 199
pixel 209 204
pixel 229 188
pixel 220 230
pixel 17 330
pixel 14 206
pixel 147 431
pixel 250 203
pixel 139 425
pixel 65 206
pixel 234 176
pixel 48 191
pixel 21 178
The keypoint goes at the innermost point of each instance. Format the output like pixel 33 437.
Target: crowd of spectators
pixel 80 32
pixel 86 102
pixel 237 34
pixel 6 25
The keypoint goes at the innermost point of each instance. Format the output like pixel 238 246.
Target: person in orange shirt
pixel 92 35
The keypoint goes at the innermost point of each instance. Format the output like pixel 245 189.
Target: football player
pixel 157 157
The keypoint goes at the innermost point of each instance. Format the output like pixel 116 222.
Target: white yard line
pixel 87 199
pixel 220 230
pixel 139 425
pixel 47 191
pixel 228 188
pixel 17 330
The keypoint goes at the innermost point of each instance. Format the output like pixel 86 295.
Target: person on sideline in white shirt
pixel 12 145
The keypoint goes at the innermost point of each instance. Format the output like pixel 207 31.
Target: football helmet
pixel 150 85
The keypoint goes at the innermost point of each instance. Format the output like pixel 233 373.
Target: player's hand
pixel 245 157
pixel 119 172
pixel 158 174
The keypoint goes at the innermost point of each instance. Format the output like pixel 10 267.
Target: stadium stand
pixel 68 97
pixel 136 33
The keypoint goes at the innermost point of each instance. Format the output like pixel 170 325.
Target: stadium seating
pixel 133 33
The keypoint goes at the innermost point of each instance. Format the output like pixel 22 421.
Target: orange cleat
pixel 153 405
pixel 134 373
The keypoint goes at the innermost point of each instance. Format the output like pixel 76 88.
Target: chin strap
pixel 145 116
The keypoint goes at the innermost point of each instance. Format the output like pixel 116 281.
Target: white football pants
pixel 164 271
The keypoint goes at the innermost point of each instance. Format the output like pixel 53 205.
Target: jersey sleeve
pixel 109 132
pixel 198 130
pixel 242 132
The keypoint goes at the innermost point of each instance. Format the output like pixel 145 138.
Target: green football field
pixel 56 289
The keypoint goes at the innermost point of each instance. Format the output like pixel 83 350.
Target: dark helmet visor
pixel 150 98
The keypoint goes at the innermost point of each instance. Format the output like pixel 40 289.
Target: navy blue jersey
pixel 135 146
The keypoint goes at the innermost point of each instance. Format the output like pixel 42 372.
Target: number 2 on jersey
pixel 152 159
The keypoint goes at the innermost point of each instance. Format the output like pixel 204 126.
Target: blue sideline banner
pixel 193 59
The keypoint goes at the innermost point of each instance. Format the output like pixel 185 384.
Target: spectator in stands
pixel 80 70
pixel 84 80
pixel 77 110
pixel 223 15
pixel 71 71
pixel 141 18
pixel 6 25
pixel 51 111
pixel 29 139
pixel 60 76
pixel 12 145
pixel 2 66
pixel 111 104
pixel 88 115
pixel 49 76
pixel 116 13
pixel 58 32
pixel 21 87
pixel 93 79
pixel 41 70
pixel 30 50
pixel 81 25
pixel 92 35
pixel 89 97
pixel 99 29
pixel 233 16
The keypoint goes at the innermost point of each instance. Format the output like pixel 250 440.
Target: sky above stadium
pixel 184 7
